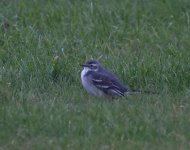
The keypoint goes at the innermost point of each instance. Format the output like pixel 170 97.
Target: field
pixel 42 102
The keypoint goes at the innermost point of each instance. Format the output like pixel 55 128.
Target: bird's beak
pixel 85 65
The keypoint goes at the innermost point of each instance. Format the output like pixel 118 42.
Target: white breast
pixel 87 84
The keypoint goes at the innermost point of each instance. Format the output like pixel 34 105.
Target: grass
pixel 42 102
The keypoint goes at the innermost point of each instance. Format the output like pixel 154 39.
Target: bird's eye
pixel 93 66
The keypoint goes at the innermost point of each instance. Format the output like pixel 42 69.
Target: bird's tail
pixel 132 92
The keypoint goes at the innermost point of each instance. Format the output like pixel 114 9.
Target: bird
pixel 101 82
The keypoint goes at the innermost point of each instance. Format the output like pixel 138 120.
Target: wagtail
pixel 98 81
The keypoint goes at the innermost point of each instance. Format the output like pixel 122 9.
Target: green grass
pixel 42 102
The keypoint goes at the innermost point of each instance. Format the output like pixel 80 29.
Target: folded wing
pixel 110 85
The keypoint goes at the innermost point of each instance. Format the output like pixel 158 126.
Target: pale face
pixel 90 67
pixel 93 67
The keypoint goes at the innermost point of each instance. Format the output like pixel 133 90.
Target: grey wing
pixel 109 85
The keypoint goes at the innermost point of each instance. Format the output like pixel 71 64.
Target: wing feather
pixel 110 85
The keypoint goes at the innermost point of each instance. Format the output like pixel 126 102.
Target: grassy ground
pixel 42 102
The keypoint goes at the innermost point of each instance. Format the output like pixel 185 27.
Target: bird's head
pixel 92 65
